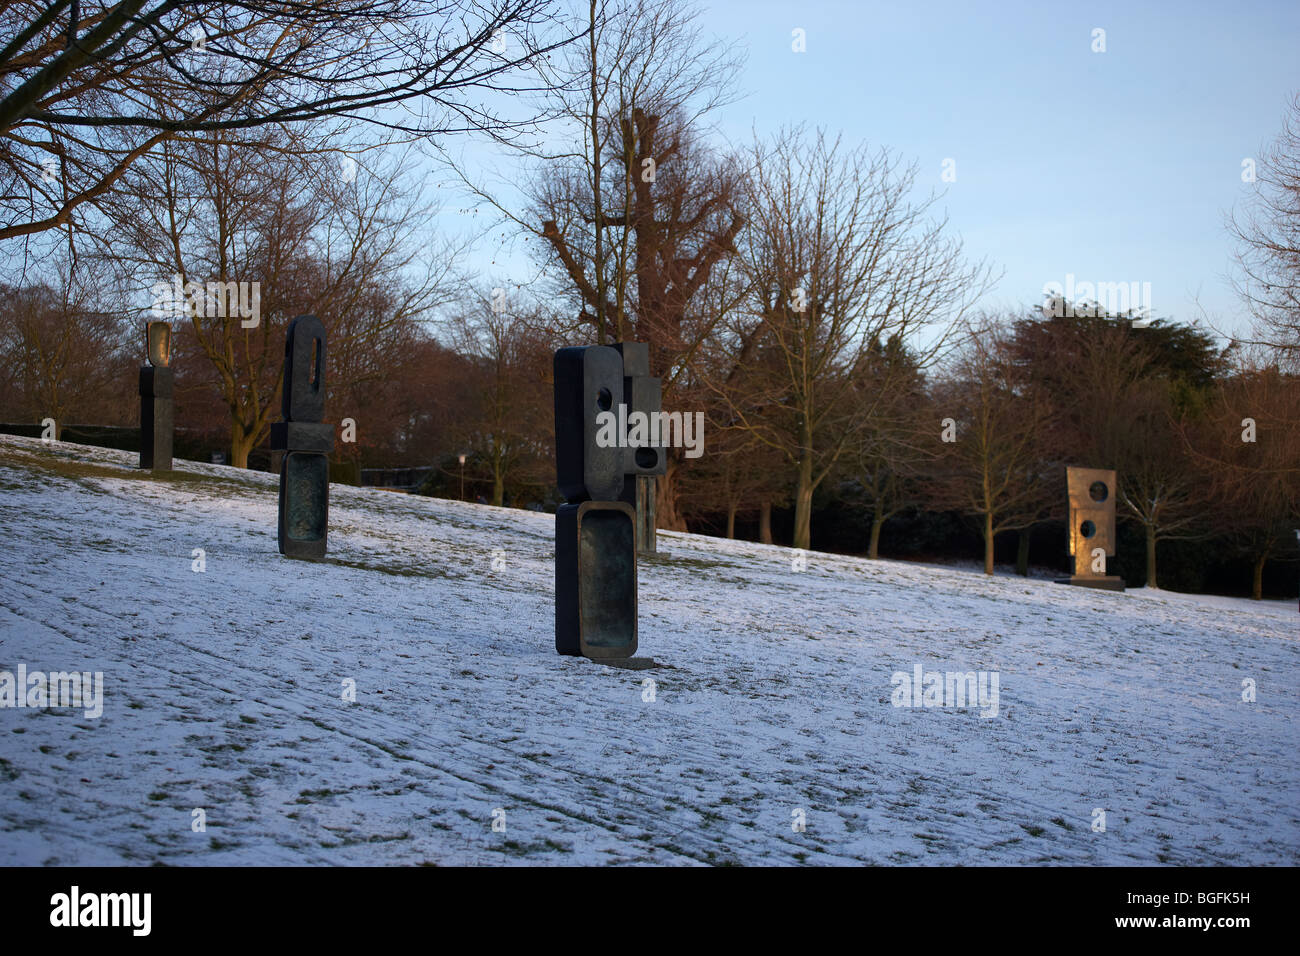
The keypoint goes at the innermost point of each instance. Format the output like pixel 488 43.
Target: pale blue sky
pixel 1114 167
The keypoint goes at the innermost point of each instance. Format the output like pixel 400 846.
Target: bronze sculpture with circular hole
pixel 1091 527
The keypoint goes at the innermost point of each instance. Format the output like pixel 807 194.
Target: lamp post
pixel 462 476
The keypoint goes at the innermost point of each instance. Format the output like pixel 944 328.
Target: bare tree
pixel 1250 448
pixel 1268 278
pixel 737 474
pixel 1160 489
pixel 634 211
pixel 511 429
pixel 892 450
pixel 990 465
pixel 66 354
pixel 839 259
pixel 257 216
pixel 91 87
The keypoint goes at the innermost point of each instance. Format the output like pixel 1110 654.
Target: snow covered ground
pixel 224 692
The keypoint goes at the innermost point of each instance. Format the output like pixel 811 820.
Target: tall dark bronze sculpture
pixel 596 528
pixel 305 442
pixel 157 413
pixel 1091 529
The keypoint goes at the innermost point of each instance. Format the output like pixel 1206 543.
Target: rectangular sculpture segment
pixel 1091 494
pixel 588 381
pixel 305 441
pixel 641 465
pixel 595 579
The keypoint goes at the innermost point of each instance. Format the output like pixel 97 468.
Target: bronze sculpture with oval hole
pixel 157 412
pixel 305 442
pixel 595 529
pixel 1091 529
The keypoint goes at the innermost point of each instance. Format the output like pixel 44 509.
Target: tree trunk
pixel 803 505
pixel 765 522
pixel 1257 581
pixel 988 542
pixel 873 549
pixel 241 444
pixel 595 167
pixel 1151 558
pixel 1022 554
pixel 647 539
pixel 667 516
pixel 498 487
pixel 731 519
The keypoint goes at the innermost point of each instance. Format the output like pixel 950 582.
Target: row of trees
pixel 801 291
pixel 1204 440
pixel 241 144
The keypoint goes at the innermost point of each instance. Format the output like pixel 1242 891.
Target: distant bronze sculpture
pixel 1091 528
pixel 596 537
pixel 157 412
pixel 305 442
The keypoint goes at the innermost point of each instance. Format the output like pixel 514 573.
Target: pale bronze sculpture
pixel 157 413
pixel 1091 527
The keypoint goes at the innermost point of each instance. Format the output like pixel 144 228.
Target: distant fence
pixel 188 445
pixel 105 436
pixel 395 479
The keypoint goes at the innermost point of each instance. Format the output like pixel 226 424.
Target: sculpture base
pixel 157 418
pixel 630 663
pixel 1108 583
pixel 304 505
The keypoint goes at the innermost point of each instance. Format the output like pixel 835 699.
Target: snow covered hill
pixel 770 736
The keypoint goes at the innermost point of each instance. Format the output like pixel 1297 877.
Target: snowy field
pixel 224 692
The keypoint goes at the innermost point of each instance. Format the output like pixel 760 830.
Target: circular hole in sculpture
pixel 1087 529
pixel 646 458
pixel 1098 491
pixel 604 400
